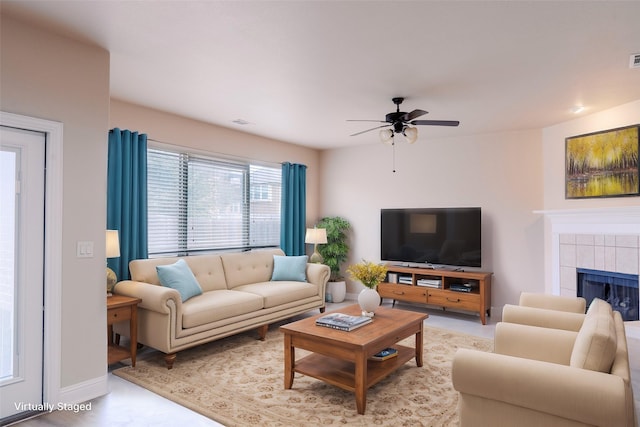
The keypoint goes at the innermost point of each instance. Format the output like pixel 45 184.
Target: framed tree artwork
pixel 603 164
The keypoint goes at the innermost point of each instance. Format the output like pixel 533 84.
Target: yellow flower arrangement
pixel 368 273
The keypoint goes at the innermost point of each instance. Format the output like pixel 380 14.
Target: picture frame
pixel 603 164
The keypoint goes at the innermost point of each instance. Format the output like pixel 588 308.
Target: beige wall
pixel 54 78
pixel 501 173
pixel 180 131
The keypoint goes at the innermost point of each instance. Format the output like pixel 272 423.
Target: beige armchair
pixel 552 377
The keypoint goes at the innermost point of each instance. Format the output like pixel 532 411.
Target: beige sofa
pixel 237 295
pixel 575 375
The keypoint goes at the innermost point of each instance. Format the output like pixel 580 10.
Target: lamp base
pixel 316 258
pixel 112 279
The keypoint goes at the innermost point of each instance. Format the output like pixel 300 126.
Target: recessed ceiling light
pixel 576 109
pixel 241 122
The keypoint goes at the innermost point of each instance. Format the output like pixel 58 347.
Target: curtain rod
pixel 199 151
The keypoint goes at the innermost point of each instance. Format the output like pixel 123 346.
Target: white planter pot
pixel 369 301
pixel 337 290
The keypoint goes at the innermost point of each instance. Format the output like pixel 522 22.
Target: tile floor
pixel 130 405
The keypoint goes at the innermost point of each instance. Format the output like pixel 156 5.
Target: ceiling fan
pixel 398 123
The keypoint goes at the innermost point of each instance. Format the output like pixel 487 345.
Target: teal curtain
pixel 127 197
pixel 293 211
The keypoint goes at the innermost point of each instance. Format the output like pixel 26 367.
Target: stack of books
pixel 430 283
pixel 343 322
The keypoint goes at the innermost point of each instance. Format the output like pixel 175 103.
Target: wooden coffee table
pixel 342 358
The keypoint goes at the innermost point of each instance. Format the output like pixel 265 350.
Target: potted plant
pixel 370 275
pixel 334 253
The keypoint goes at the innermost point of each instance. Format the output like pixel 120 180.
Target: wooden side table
pixel 121 308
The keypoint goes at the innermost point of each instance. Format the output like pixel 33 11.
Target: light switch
pixel 84 249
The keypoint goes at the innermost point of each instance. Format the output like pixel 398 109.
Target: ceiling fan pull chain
pixel 393 145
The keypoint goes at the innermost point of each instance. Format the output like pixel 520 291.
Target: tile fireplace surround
pixel 606 239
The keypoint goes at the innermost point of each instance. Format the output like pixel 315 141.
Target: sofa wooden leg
pixel 322 309
pixel 262 332
pixel 169 359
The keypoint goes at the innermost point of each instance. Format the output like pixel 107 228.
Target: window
pixel 204 204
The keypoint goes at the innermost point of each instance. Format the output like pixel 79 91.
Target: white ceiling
pixel 296 70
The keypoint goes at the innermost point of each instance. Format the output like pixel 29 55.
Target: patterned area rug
pixel 239 381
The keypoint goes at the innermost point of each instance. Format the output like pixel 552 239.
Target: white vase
pixel 369 300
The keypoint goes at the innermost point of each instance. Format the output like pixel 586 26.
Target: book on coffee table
pixel 343 322
pixel 385 354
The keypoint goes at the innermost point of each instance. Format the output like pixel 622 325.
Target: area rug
pixel 239 381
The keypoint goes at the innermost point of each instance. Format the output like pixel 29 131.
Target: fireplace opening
pixel 618 289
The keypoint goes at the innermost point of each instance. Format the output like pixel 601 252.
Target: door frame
pixel 52 352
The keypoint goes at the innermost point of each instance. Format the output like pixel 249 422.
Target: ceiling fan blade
pixel 374 121
pixel 413 115
pixel 436 122
pixel 369 130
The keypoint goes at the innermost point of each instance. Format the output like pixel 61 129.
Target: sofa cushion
pixel 179 277
pixel 243 268
pixel 292 268
pixel 596 343
pixel 208 271
pixel 218 305
pixel 279 293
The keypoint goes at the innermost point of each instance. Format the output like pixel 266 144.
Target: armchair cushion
pixel 179 277
pixel 542 317
pixel 595 345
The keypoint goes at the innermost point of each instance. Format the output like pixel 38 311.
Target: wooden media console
pixel 435 287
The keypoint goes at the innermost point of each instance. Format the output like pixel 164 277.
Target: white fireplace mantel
pixel 614 220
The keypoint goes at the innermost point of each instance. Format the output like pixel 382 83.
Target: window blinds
pixel 203 204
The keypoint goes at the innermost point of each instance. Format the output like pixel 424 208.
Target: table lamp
pixel 317 236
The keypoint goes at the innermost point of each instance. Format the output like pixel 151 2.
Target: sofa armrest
pixel 542 317
pixel 154 297
pixel 318 274
pixel 532 342
pixel 553 302
pixel 590 397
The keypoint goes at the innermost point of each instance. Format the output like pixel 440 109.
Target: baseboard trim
pixel 84 391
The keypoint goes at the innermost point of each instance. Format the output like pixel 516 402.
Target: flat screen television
pixel 432 236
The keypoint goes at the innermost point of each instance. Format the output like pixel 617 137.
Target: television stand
pixel 464 290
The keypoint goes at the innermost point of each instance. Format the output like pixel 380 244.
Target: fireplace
pixel 618 289
pixel 606 239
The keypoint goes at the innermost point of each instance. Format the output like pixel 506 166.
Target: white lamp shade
pixel 316 236
pixel 411 134
pixel 386 136
pixel 113 244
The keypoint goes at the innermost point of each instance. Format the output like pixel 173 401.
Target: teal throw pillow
pixel 292 268
pixel 179 277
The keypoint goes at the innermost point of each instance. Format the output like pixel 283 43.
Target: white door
pixel 22 196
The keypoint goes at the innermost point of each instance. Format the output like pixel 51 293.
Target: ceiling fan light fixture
pixel 386 136
pixel 411 134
